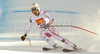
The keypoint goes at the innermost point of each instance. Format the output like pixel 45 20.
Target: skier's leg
pixel 48 40
pixel 56 35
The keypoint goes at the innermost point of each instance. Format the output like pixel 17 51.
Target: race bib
pixel 40 21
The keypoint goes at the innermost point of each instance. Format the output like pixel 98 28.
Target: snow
pixel 79 13
pixel 88 45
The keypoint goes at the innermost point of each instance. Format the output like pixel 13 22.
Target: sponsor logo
pixel 40 21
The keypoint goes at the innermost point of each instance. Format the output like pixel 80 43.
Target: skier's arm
pixel 29 27
pixel 27 30
pixel 49 20
pixel 48 16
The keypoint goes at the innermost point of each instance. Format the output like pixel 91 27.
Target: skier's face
pixel 36 12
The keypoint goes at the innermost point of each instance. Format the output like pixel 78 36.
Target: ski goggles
pixel 34 9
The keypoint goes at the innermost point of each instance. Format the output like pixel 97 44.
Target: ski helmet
pixel 35 6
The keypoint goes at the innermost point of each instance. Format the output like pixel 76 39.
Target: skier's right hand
pixel 47 25
pixel 23 37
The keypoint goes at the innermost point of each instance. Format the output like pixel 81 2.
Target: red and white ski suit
pixel 45 34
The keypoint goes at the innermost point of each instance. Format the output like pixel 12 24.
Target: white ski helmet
pixel 35 6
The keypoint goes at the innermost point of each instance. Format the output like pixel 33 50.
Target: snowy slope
pixel 15 14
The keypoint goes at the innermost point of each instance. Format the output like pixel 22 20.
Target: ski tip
pixel 30 45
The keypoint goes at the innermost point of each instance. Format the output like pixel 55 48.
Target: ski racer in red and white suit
pixel 44 21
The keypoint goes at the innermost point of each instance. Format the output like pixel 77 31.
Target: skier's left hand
pixel 47 25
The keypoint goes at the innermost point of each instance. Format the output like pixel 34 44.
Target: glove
pixel 47 25
pixel 23 37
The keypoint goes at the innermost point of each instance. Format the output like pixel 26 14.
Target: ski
pixel 68 50
pixel 47 49
pixel 64 50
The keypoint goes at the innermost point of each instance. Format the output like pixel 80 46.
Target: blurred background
pixel 15 14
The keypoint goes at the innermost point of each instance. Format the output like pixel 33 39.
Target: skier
pixel 44 22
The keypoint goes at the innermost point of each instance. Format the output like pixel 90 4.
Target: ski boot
pixel 56 46
pixel 75 47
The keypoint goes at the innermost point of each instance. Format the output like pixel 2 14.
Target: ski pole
pixel 29 41
pixel 74 27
